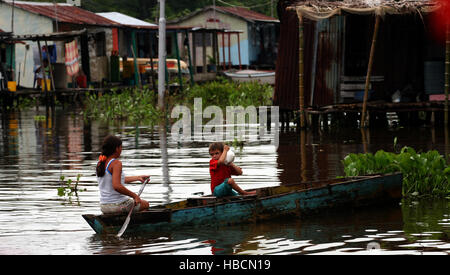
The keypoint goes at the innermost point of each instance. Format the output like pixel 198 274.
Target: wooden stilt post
pixel 191 70
pixel 364 139
pixel 301 73
pixel 177 52
pixel 229 51
pixel 44 77
pixel 369 71
pixel 223 51
pixel 239 51
pixel 151 62
pixel 50 66
pixel 216 49
pixel 205 68
pixel 314 62
pixel 214 45
pixel 137 81
pixel 217 57
pixel 447 71
pixel 194 52
pixel 303 156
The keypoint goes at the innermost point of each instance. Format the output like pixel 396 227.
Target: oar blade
pixel 127 220
pixel 124 226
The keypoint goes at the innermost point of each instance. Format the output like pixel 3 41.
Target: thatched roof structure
pixel 343 47
pixel 316 10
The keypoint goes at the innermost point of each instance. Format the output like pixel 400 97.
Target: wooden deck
pixel 379 106
pixel 351 112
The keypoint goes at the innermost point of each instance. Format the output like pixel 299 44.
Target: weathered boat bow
pixel 110 224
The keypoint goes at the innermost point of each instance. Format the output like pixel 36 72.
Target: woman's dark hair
pixel 110 143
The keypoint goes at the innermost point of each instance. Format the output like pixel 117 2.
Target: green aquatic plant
pixel 22 103
pixel 132 105
pixel 223 92
pixel 251 94
pixel 139 105
pixel 69 188
pixel 238 145
pixel 423 173
pixel 40 118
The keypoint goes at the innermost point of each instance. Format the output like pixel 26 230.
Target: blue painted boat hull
pixel 271 202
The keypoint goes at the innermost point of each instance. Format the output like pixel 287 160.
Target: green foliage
pixel 423 173
pixel 223 92
pixel 68 189
pixel 133 105
pixel 139 106
pixel 238 144
pixel 22 103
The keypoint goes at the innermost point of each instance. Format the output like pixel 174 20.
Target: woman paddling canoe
pixel 114 196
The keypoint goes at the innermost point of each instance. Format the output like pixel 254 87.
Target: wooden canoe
pixel 270 202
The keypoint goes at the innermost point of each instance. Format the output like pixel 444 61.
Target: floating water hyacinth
pixel 131 105
pixel 423 173
pixel 139 106
pixel 68 189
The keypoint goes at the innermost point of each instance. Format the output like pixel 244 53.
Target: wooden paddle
pixel 127 220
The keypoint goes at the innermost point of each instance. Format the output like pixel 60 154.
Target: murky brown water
pixel 35 152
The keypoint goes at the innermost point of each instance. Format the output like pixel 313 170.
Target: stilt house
pixel 333 52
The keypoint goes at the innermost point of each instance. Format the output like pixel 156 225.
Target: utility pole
pixel 12 18
pixel 162 54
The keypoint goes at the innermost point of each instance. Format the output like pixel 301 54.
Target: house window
pixel 199 39
pixel 254 35
pixel 100 44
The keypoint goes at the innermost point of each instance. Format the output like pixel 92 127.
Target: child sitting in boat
pixel 114 196
pixel 222 184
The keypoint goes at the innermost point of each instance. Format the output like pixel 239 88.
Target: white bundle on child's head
pixel 230 157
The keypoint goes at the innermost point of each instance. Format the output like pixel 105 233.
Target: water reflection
pixel 366 232
pixel 165 159
pixel 39 146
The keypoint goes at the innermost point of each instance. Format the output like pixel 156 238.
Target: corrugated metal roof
pixel 241 12
pixel 63 13
pixel 56 36
pixel 246 13
pixel 125 20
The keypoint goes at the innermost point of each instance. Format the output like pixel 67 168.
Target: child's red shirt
pixel 219 173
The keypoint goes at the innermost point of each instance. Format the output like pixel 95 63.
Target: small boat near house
pixel 270 202
pixel 263 77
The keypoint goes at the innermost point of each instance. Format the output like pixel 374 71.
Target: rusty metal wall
pixel 286 75
pixel 329 58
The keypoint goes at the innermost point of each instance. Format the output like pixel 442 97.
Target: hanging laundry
pixel 72 64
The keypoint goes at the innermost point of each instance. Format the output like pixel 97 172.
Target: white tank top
pixel 107 192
